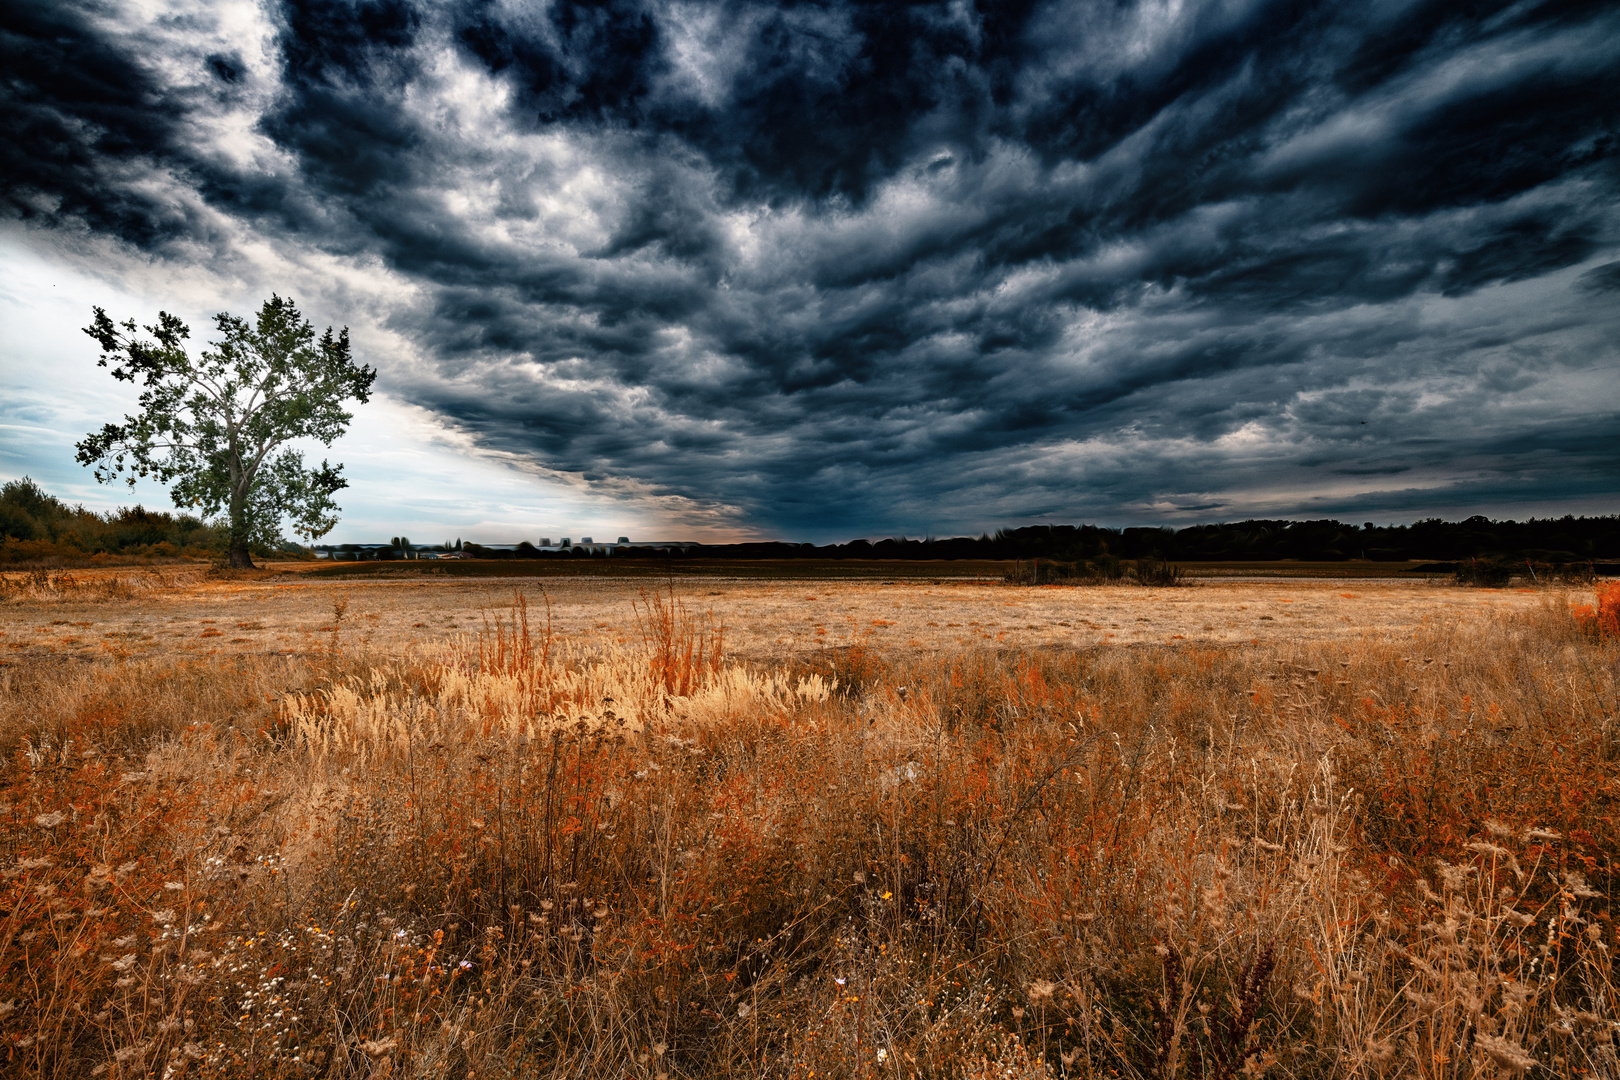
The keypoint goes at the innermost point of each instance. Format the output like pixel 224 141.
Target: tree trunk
pixel 241 557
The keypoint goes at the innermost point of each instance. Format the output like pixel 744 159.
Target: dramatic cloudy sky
pixel 823 270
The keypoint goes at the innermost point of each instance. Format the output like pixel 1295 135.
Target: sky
pixel 824 270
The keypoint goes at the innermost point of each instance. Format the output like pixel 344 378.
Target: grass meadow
pixel 510 851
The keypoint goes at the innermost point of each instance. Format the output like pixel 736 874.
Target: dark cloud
pixel 75 108
pixel 881 267
pixel 1605 278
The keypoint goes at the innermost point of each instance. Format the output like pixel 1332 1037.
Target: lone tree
pixel 215 428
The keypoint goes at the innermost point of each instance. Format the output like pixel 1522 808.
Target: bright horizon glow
pixel 408 475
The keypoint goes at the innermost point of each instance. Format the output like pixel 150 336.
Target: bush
pixel 1604 619
pixel 38 529
pixel 1157 573
pixel 1102 570
pixel 1485 572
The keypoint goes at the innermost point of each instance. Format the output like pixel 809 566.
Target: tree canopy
pixel 215 428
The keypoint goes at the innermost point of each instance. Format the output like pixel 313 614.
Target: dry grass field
pixel 283 825
pixel 765 621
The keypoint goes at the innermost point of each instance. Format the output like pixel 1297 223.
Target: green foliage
pixel 215 428
pixel 37 526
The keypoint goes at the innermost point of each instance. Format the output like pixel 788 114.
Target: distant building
pixel 666 546
pixel 403 550
pixel 353 552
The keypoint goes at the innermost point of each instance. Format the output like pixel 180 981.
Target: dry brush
pixel 533 858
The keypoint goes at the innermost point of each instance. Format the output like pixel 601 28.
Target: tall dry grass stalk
pixel 532 858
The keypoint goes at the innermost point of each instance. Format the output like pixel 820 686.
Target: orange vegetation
pixel 525 856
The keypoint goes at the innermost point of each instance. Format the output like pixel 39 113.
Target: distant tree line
pixel 1551 540
pixel 39 527
pixel 35 525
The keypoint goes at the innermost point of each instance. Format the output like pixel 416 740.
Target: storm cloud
pixel 832 269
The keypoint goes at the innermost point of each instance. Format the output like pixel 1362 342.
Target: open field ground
pixel 814 569
pixel 292 825
pixel 764 619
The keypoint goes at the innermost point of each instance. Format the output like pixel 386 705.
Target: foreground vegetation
pixel 531 858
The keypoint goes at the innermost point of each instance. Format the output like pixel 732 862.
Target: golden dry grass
pixel 766 621
pixel 624 842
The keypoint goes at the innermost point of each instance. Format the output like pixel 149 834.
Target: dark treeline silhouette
pixel 34 524
pixel 1553 540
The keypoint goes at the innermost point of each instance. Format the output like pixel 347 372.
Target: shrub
pixel 1158 573
pixel 39 529
pixel 1487 572
pixel 1102 570
pixel 1604 619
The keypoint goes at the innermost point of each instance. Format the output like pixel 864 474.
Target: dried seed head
pixel 1509 1055
pixel 376 1048
pixel 1380 1050
pixel 1452 876
pixel 1576 882
pixel 1425 1004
